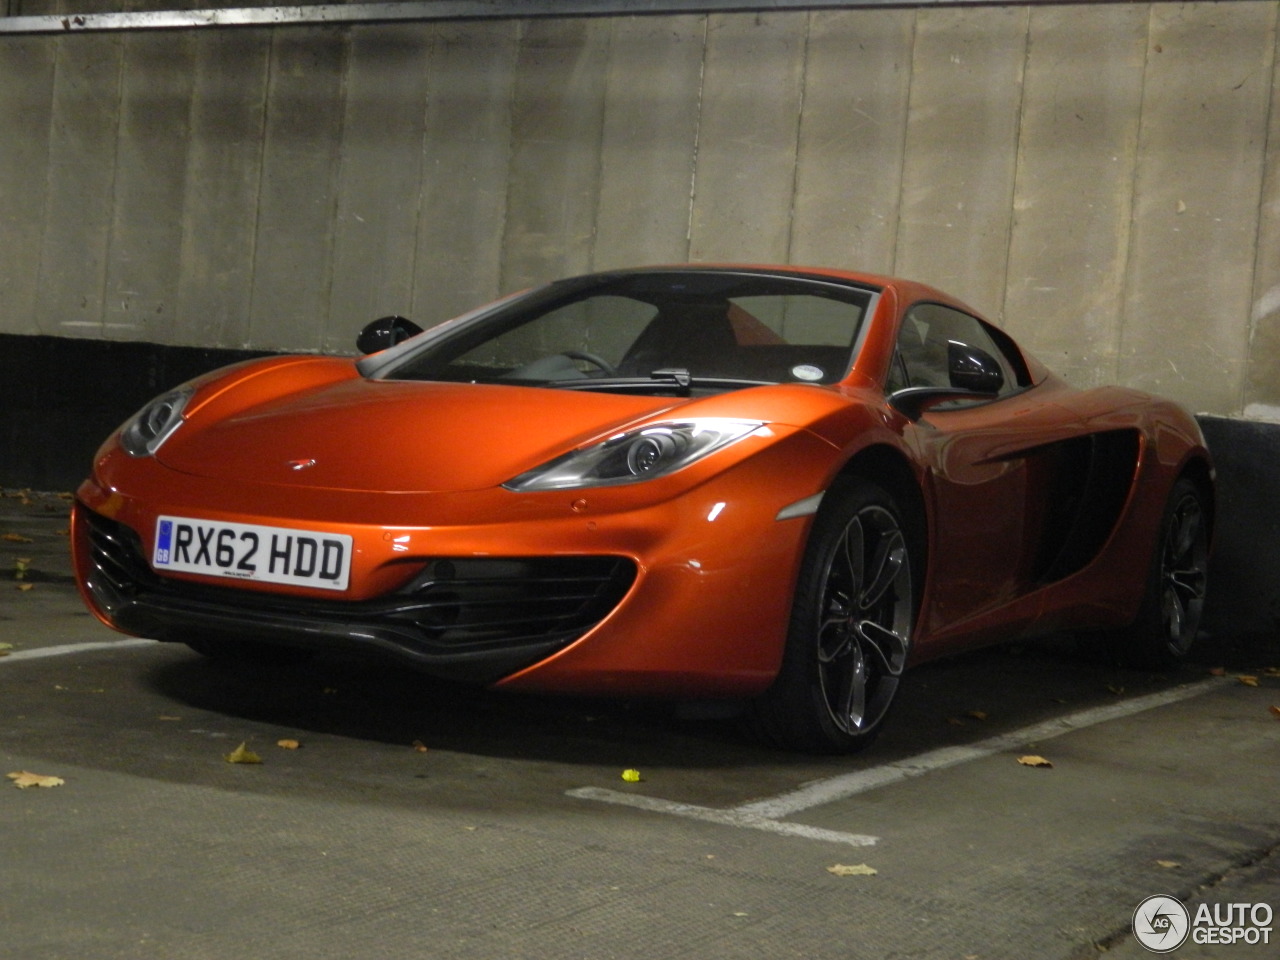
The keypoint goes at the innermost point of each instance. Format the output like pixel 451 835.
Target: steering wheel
pixel 591 358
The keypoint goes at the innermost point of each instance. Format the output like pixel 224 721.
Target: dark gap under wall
pixel 63 396
pixel 1244 573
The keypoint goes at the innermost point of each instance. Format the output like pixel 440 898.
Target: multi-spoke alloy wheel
pixel 850 627
pixel 1182 572
pixel 1170 615
pixel 865 624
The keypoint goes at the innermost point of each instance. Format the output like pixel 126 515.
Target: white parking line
pixel 729 818
pixel 70 648
pixel 767 814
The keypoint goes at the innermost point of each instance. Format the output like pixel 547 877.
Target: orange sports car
pixel 776 485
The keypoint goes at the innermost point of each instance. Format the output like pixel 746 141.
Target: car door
pixel 981 485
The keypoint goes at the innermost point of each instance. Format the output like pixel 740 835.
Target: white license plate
pixel 249 551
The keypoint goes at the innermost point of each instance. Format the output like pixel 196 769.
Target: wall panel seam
pixel 697 138
pixel 1017 169
pixel 522 28
pixel 894 244
pixel 1126 289
pixel 796 139
pixel 427 104
pixel 109 246
pixel 335 192
pixel 264 120
pixel 607 71
pixel 1256 272
pixel 48 187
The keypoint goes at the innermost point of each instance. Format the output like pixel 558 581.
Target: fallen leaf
pixel 955 721
pixel 288 744
pixel 631 776
pixel 242 754
pixel 16 538
pixel 1248 681
pixel 1271 672
pixel 419 746
pixel 20 565
pixel 1115 688
pixel 24 587
pixel 4 653
pixel 1218 672
pixel 741 913
pixel 854 870
pixel 1032 760
pixel 1275 711
pixel 977 714
pixel 23 779
pixel 1169 864
pixel 166 717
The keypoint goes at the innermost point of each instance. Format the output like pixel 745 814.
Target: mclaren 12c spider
pixel 775 485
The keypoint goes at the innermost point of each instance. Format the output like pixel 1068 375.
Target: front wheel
pixel 850 629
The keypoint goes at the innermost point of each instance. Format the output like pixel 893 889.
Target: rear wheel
pixel 850 629
pixel 1169 617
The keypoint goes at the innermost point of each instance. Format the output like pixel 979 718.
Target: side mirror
pixel 971 368
pixel 385 332
pixel 914 401
pixel 975 375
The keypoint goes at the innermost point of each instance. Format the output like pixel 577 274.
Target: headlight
pixel 652 451
pixel 152 425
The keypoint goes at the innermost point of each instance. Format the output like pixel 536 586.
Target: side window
pixel 897 377
pixel 924 342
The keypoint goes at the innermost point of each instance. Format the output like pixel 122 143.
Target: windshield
pixel 711 328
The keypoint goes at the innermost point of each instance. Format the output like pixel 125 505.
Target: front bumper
pixel 474 619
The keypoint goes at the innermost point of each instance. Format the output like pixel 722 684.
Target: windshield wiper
pixel 678 377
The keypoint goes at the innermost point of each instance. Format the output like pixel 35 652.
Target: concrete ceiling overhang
pixel 409 11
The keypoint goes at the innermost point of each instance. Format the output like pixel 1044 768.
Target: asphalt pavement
pixel 393 816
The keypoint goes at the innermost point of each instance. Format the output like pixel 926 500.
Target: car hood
pixel 377 435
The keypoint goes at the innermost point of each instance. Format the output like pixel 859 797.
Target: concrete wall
pixel 1104 180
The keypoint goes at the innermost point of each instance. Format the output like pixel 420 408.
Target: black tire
pixel 1169 617
pixel 851 625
